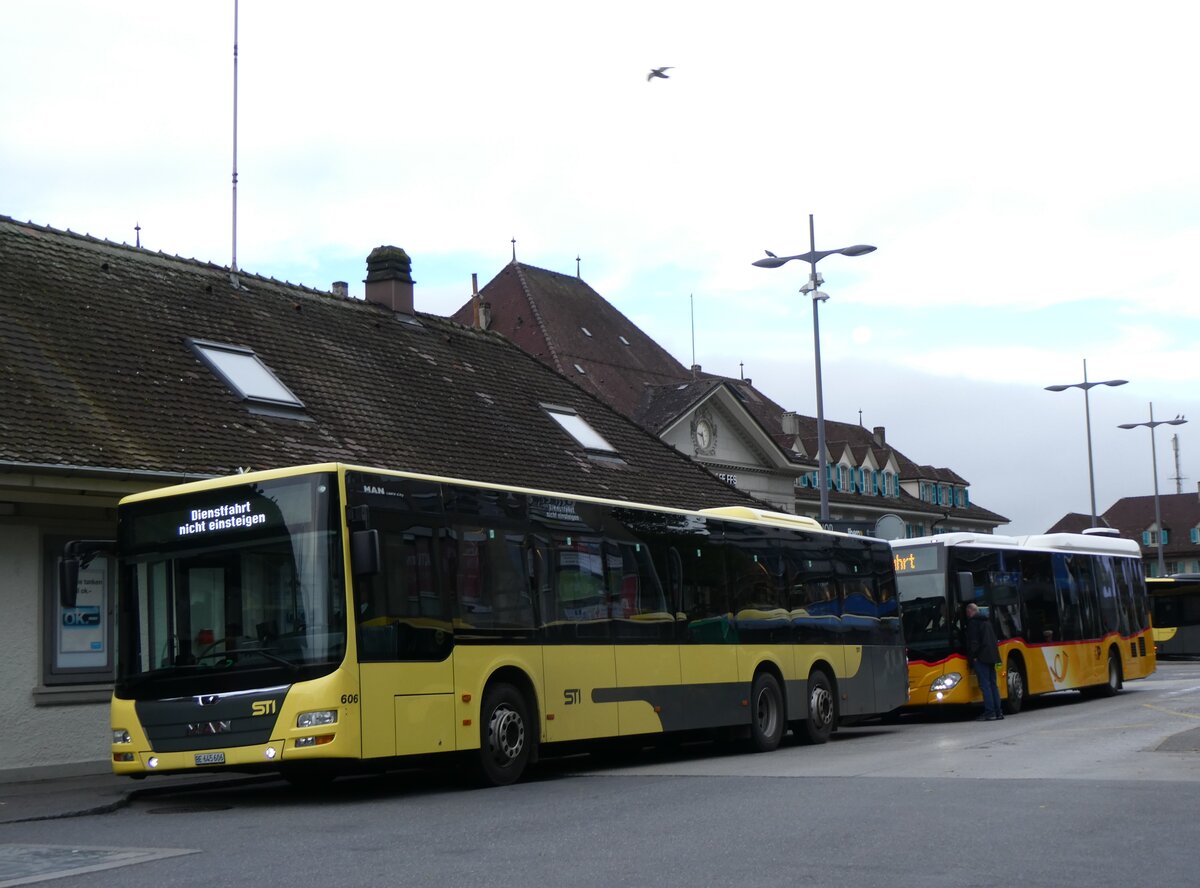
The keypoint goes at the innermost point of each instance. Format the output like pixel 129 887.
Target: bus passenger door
pixel 405 639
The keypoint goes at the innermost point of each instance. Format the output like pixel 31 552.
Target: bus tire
pixel 767 718
pixel 821 717
pixel 1017 688
pixel 1113 686
pixel 505 737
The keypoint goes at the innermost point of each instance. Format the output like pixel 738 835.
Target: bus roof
pixel 1046 542
pixel 733 513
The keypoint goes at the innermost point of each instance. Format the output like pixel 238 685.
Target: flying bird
pixel 659 72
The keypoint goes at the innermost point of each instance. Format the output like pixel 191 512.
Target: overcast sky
pixel 1027 171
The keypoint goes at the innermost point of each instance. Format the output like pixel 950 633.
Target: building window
pixel 1194 535
pixel 245 373
pixel 577 427
pixel 77 641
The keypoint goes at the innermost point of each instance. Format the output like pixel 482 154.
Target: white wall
pixel 76 736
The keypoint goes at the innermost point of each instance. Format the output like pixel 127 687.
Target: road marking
pixel 1172 711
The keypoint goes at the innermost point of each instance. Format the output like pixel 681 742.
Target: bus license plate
pixel 210 758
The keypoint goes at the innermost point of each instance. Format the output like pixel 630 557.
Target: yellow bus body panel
pixel 1048 668
pixel 644 665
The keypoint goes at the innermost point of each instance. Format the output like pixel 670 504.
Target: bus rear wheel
pixel 822 710
pixel 504 735
pixel 766 713
pixel 1014 680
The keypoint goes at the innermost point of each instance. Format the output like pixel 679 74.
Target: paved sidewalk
pixel 73 796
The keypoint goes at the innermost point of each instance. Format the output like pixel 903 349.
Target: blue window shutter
pixel 1145 537
pixel 1165 535
pixel 1194 534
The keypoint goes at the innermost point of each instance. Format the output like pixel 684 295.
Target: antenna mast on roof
pixel 692 300
pixel 1178 478
pixel 233 279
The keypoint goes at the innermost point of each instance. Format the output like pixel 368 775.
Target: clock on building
pixel 704 434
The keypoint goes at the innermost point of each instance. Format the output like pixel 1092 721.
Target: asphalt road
pixel 1071 792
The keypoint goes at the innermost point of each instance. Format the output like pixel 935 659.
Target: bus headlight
pixel 120 735
pixel 945 682
pixel 317 718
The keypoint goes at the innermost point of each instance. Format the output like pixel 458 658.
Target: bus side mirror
pixel 364 553
pixel 966 586
pixel 68 581
pixel 78 554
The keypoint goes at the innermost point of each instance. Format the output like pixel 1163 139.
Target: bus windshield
pixel 230 588
pixel 921 587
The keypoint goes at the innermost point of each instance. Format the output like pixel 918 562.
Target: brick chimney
pixel 389 279
pixel 877 433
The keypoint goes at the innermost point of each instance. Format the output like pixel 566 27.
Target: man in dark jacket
pixel 984 654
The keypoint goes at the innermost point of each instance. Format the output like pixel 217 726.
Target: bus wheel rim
pixel 506 734
pixel 821 704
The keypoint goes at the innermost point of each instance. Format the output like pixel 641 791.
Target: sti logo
pixel 262 707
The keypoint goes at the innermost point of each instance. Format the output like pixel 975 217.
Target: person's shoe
pixel 999 716
pixel 983 718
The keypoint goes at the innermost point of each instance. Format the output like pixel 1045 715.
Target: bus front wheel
pixel 504 735
pixel 822 710
pixel 766 713
pixel 1014 680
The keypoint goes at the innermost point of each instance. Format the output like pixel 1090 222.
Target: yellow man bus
pixel 330 618
pixel 1070 611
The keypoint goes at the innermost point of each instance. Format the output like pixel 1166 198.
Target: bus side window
pixel 1039 599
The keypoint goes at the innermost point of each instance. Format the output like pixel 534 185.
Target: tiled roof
pixel 1180 513
pixel 1074 522
pixel 97 373
pixel 567 325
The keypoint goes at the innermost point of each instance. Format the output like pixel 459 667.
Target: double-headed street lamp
pixel 1087 414
pixel 812 257
pixel 1178 420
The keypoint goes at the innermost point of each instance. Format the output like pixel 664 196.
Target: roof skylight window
pixel 586 331
pixel 577 427
pixel 624 341
pixel 580 369
pixel 245 373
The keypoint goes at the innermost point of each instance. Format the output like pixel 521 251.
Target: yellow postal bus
pixel 331 618
pixel 1070 612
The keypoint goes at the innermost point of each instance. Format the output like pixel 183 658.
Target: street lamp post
pixel 1087 414
pixel 1178 420
pixel 812 257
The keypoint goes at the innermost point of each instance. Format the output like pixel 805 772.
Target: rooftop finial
pixel 137 231
pixel 578 274
pixel 514 243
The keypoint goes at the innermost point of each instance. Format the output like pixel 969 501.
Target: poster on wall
pixel 82 629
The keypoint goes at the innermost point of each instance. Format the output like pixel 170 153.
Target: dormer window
pixel 246 374
pixel 577 427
